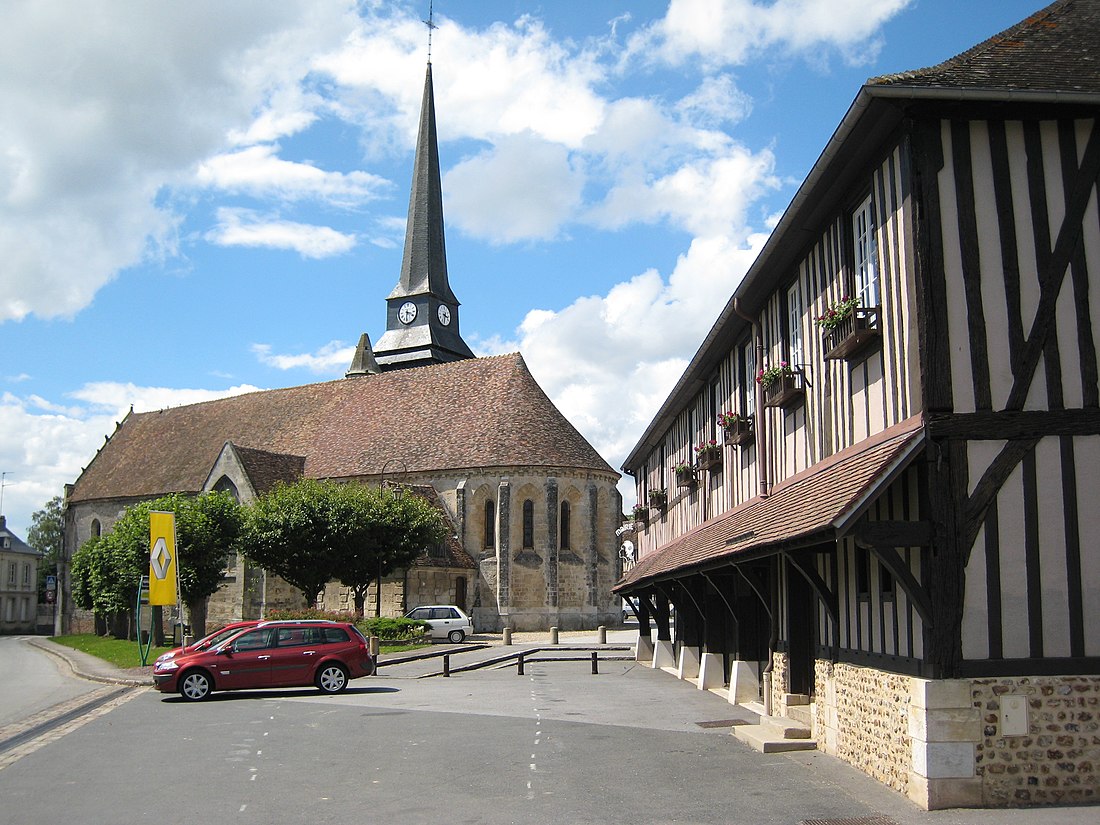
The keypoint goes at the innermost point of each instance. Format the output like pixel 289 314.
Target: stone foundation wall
pixel 1056 761
pixel 780 680
pixel 861 715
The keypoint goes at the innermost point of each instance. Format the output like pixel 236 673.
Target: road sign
pixel 51 583
pixel 49 596
pixel 162 558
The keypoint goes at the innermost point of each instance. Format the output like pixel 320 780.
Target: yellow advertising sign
pixel 162 558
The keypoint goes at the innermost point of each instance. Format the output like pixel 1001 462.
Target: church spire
pixel 422 311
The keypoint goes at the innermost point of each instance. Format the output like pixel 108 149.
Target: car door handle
pixel 308 652
pixel 261 658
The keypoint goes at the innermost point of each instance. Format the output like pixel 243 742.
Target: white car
pixel 446 620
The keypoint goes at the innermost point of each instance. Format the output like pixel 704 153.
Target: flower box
pixel 707 457
pixel 640 513
pixel 738 432
pixel 658 499
pixel 852 335
pixel 785 391
pixel 685 477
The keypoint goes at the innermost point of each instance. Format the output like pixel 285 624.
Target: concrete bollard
pixel 507 635
pixel 602 634
pixel 374 645
pixel 553 635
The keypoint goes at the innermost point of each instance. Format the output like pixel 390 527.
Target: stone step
pixel 762 738
pixel 802 714
pixel 795 699
pixel 784 728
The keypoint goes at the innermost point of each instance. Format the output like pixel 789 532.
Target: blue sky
pixel 206 198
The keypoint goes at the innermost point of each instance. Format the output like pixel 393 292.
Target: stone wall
pixel 780 680
pixel 1056 761
pixel 861 715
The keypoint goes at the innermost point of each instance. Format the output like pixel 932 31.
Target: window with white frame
pixel 26 574
pixel 11 573
pixel 865 249
pixel 794 325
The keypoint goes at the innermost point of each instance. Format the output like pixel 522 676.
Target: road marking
pixel 52 734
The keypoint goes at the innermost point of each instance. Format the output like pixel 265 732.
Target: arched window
pixel 528 524
pixel 490 524
pixel 225 485
pixel 97 528
pixel 565 545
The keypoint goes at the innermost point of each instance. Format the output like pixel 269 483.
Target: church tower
pixel 422 311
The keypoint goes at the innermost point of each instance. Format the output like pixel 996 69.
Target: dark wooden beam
pixel 1014 424
pixel 893 533
pixel 828 596
pixel 889 557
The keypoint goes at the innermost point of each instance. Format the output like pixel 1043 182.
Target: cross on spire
pixel 431 25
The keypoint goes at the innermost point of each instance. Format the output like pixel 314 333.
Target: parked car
pixel 270 655
pixel 446 620
pixel 231 629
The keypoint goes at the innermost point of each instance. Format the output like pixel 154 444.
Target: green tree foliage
pixel 106 570
pixel 312 532
pixel 47 536
pixel 395 529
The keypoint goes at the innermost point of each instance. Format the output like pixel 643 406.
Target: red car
pixel 287 654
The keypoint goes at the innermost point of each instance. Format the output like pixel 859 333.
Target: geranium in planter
pixel 640 513
pixel 737 429
pixel 685 475
pixel 782 385
pixel 708 455
pixel 658 498
pixel 848 328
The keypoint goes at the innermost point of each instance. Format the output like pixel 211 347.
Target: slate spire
pixel 422 311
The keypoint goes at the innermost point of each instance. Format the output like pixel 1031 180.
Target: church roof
pixel 266 469
pixel 483 412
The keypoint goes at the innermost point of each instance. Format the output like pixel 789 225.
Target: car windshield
pixel 216 637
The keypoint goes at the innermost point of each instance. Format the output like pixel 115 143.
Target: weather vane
pixel 430 26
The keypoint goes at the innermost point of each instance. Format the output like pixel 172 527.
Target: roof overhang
pixel 820 504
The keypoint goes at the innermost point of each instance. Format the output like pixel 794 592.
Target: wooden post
pixel 595 665
pixel 447 664
pixel 519 665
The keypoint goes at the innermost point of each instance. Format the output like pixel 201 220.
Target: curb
pixel 61 652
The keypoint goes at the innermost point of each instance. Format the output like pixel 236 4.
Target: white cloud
pixel 92 135
pixel 257 171
pixel 729 32
pixel 523 188
pixel 45 444
pixel 243 227
pixel 333 356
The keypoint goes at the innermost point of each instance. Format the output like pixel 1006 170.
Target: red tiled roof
pixel 266 469
pixel 453 553
pixel 481 412
pixel 812 502
pixel 1056 49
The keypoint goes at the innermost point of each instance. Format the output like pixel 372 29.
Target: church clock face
pixel 444 315
pixel 407 313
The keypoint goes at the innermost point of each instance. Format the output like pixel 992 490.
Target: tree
pixel 208 527
pixel 289 531
pixel 313 532
pixel 395 530
pixel 47 536
pixel 105 577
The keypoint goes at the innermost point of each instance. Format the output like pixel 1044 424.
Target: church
pixel 530 505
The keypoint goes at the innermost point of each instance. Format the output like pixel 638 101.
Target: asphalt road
pixel 557 745
pixel 31 681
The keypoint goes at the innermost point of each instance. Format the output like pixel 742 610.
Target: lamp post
pixel 381 488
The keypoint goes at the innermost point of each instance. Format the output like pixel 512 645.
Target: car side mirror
pixel 223 651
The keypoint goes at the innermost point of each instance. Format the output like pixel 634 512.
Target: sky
pixel 206 198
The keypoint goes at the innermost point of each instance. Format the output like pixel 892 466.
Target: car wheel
pixel 332 678
pixel 456 636
pixel 196 686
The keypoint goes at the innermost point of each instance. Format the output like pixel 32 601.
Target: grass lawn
pixel 119 652
pixel 122 653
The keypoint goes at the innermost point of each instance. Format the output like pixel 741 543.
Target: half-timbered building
pixel 870 500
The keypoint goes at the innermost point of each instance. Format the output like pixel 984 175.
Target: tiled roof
pixel 266 469
pixel 453 553
pixel 809 503
pixel 1057 49
pixel 482 412
pixel 15 544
